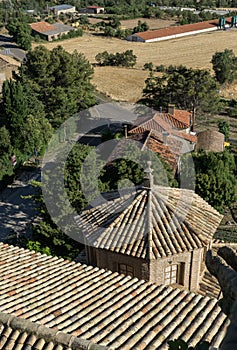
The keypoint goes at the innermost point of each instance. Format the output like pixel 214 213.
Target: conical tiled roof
pixel 150 223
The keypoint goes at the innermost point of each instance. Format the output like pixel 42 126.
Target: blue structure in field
pixel 233 21
pixel 222 22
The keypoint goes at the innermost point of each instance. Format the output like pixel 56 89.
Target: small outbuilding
pixel 210 140
pixel 49 31
pixel 61 9
pixel 93 10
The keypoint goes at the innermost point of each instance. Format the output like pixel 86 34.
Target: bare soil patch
pixel 193 51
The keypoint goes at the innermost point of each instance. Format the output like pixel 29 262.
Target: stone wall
pixel 189 265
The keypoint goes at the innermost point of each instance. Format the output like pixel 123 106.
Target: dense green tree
pixel 6 152
pixel 123 59
pixel 25 118
pixel 15 108
pixel 85 177
pixel 61 80
pixel 34 135
pixel 20 31
pixel 130 168
pixel 82 184
pixel 215 177
pixel 224 128
pixel 225 66
pixel 191 89
pixel 114 22
pixel 141 27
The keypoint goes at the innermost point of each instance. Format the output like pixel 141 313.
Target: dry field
pixel 126 84
pixel 120 83
pixel 153 23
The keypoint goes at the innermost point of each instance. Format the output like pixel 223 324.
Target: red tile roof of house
pixel 185 136
pixel 42 26
pixel 170 151
pixel 159 33
pixel 159 122
pixel 182 116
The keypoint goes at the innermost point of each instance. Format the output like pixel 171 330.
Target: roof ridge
pixel 149 223
pixel 41 331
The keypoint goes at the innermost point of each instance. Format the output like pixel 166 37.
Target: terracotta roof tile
pixel 183 116
pixel 18 333
pixel 102 307
pixel 122 224
pixel 42 27
pixel 159 33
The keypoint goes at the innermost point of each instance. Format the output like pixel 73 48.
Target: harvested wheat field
pixel 193 51
pixel 153 23
pixel 120 83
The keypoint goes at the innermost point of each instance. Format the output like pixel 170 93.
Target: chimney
pixel 171 108
pixel 164 137
pixel 148 180
pixel 191 123
pixel 160 109
pixel 126 131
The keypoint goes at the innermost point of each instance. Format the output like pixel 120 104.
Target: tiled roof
pixel 50 29
pixel 160 122
pixel 17 333
pixel 150 223
pixel 183 116
pixel 94 7
pixel 100 306
pixel 9 60
pixel 169 151
pixel 169 31
pixel 42 27
pixel 185 136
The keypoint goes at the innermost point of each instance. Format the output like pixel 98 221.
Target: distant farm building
pixel 49 31
pixel 61 9
pixel 93 10
pixel 177 31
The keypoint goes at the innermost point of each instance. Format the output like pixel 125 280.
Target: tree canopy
pixel 6 152
pixel 123 59
pixel 215 177
pixel 85 177
pixel 61 80
pixel 191 89
pixel 25 118
pixel 225 66
pixel 224 128
pixel 21 32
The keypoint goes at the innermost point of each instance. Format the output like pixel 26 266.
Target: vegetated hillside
pixel 193 51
